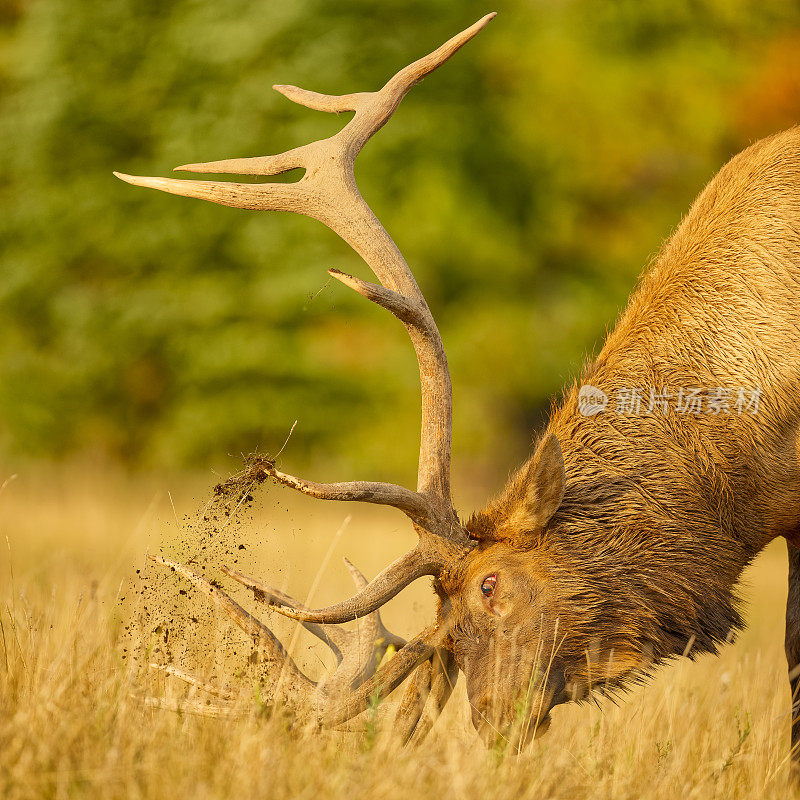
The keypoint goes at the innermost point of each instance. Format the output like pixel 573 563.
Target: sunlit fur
pixel 661 511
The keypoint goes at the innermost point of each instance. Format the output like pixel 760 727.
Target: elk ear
pixel 529 501
pixel 544 483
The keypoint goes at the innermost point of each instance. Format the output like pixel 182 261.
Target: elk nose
pixel 480 713
pixel 485 721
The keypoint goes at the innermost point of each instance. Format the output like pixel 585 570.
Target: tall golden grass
pixel 72 723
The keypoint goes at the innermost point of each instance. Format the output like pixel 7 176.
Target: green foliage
pixel 743 731
pixel 371 728
pixel 527 183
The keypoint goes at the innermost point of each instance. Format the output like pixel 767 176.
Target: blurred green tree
pixel 527 183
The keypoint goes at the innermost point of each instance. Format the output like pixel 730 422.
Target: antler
pixel 356 680
pixel 328 192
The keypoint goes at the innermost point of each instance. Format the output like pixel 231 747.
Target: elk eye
pixel 489 585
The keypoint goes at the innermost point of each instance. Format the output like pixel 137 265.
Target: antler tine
pixel 404 308
pixel 356 574
pixel 274 196
pixel 260 165
pixel 443 681
pixel 413 504
pixel 426 694
pixel 331 103
pixel 362 648
pixel 413 702
pixel 414 73
pixel 193 680
pixel 408 77
pixel 246 621
pixel 333 637
pixel 201 710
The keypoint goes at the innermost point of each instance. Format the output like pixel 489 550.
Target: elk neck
pixel 663 510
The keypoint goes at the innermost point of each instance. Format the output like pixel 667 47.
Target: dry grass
pixel 68 727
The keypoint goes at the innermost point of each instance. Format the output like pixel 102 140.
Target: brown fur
pixel 661 512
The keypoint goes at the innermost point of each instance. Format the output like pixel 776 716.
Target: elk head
pixel 491 621
pixel 503 607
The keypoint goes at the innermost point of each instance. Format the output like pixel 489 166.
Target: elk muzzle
pixel 511 717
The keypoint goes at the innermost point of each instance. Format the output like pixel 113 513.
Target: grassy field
pixel 72 541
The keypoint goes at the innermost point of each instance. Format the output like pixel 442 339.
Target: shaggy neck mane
pixel 649 542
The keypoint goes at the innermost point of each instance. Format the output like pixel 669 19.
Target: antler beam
pixel 328 192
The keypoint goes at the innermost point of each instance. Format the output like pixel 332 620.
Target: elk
pixel 620 543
